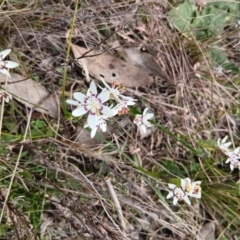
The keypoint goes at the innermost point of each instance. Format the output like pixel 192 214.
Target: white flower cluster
pixel 233 155
pixel 4 66
pixel 93 103
pixel 187 189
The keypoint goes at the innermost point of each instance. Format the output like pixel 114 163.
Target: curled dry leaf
pixel 32 94
pixel 112 68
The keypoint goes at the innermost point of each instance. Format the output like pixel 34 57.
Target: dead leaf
pixel 207 232
pixel 144 61
pixel 31 94
pixel 112 68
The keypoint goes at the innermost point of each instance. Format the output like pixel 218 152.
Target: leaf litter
pixel 183 110
pixel 32 94
pixel 112 68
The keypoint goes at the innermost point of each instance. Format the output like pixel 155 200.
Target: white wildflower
pixel 193 189
pixel 234 159
pixel 4 65
pixel 122 101
pixel 91 103
pixel 233 155
pixel 224 145
pixel 142 121
pixel 178 193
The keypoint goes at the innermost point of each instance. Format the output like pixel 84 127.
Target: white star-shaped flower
pixel 233 155
pixel 122 101
pixel 224 145
pixel 178 193
pixel 92 103
pixel 234 160
pixel 193 189
pixel 4 65
pixel 142 121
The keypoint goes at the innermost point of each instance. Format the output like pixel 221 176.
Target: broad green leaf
pixel 182 16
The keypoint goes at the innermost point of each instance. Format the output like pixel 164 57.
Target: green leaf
pixel 182 16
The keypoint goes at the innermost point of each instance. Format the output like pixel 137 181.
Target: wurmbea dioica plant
pixel 187 189
pixel 95 105
pixel 233 155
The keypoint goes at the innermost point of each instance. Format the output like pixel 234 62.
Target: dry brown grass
pixel 63 181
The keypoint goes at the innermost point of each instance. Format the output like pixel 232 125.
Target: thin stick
pixel 2 108
pixel 1 116
pixel 116 202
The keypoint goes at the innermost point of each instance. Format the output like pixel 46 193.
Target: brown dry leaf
pixel 144 61
pixel 207 232
pixel 31 94
pixel 112 68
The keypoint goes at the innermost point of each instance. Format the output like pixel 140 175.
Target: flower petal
pixel 184 183
pixel 92 120
pixel 79 96
pixel 231 167
pixel 237 150
pixel 94 131
pixel 228 160
pixel 92 89
pixel 170 194
pixel 225 139
pixel 127 99
pixel 171 186
pixel 11 64
pixel 142 129
pixel 148 116
pixel 5 71
pixel 145 111
pixel 175 200
pixel 107 111
pixel 130 103
pixel 4 53
pixel 72 102
pixel 104 96
pixel 103 125
pixel 186 199
pixel 79 111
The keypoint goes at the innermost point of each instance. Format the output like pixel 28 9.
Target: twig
pixel 116 202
